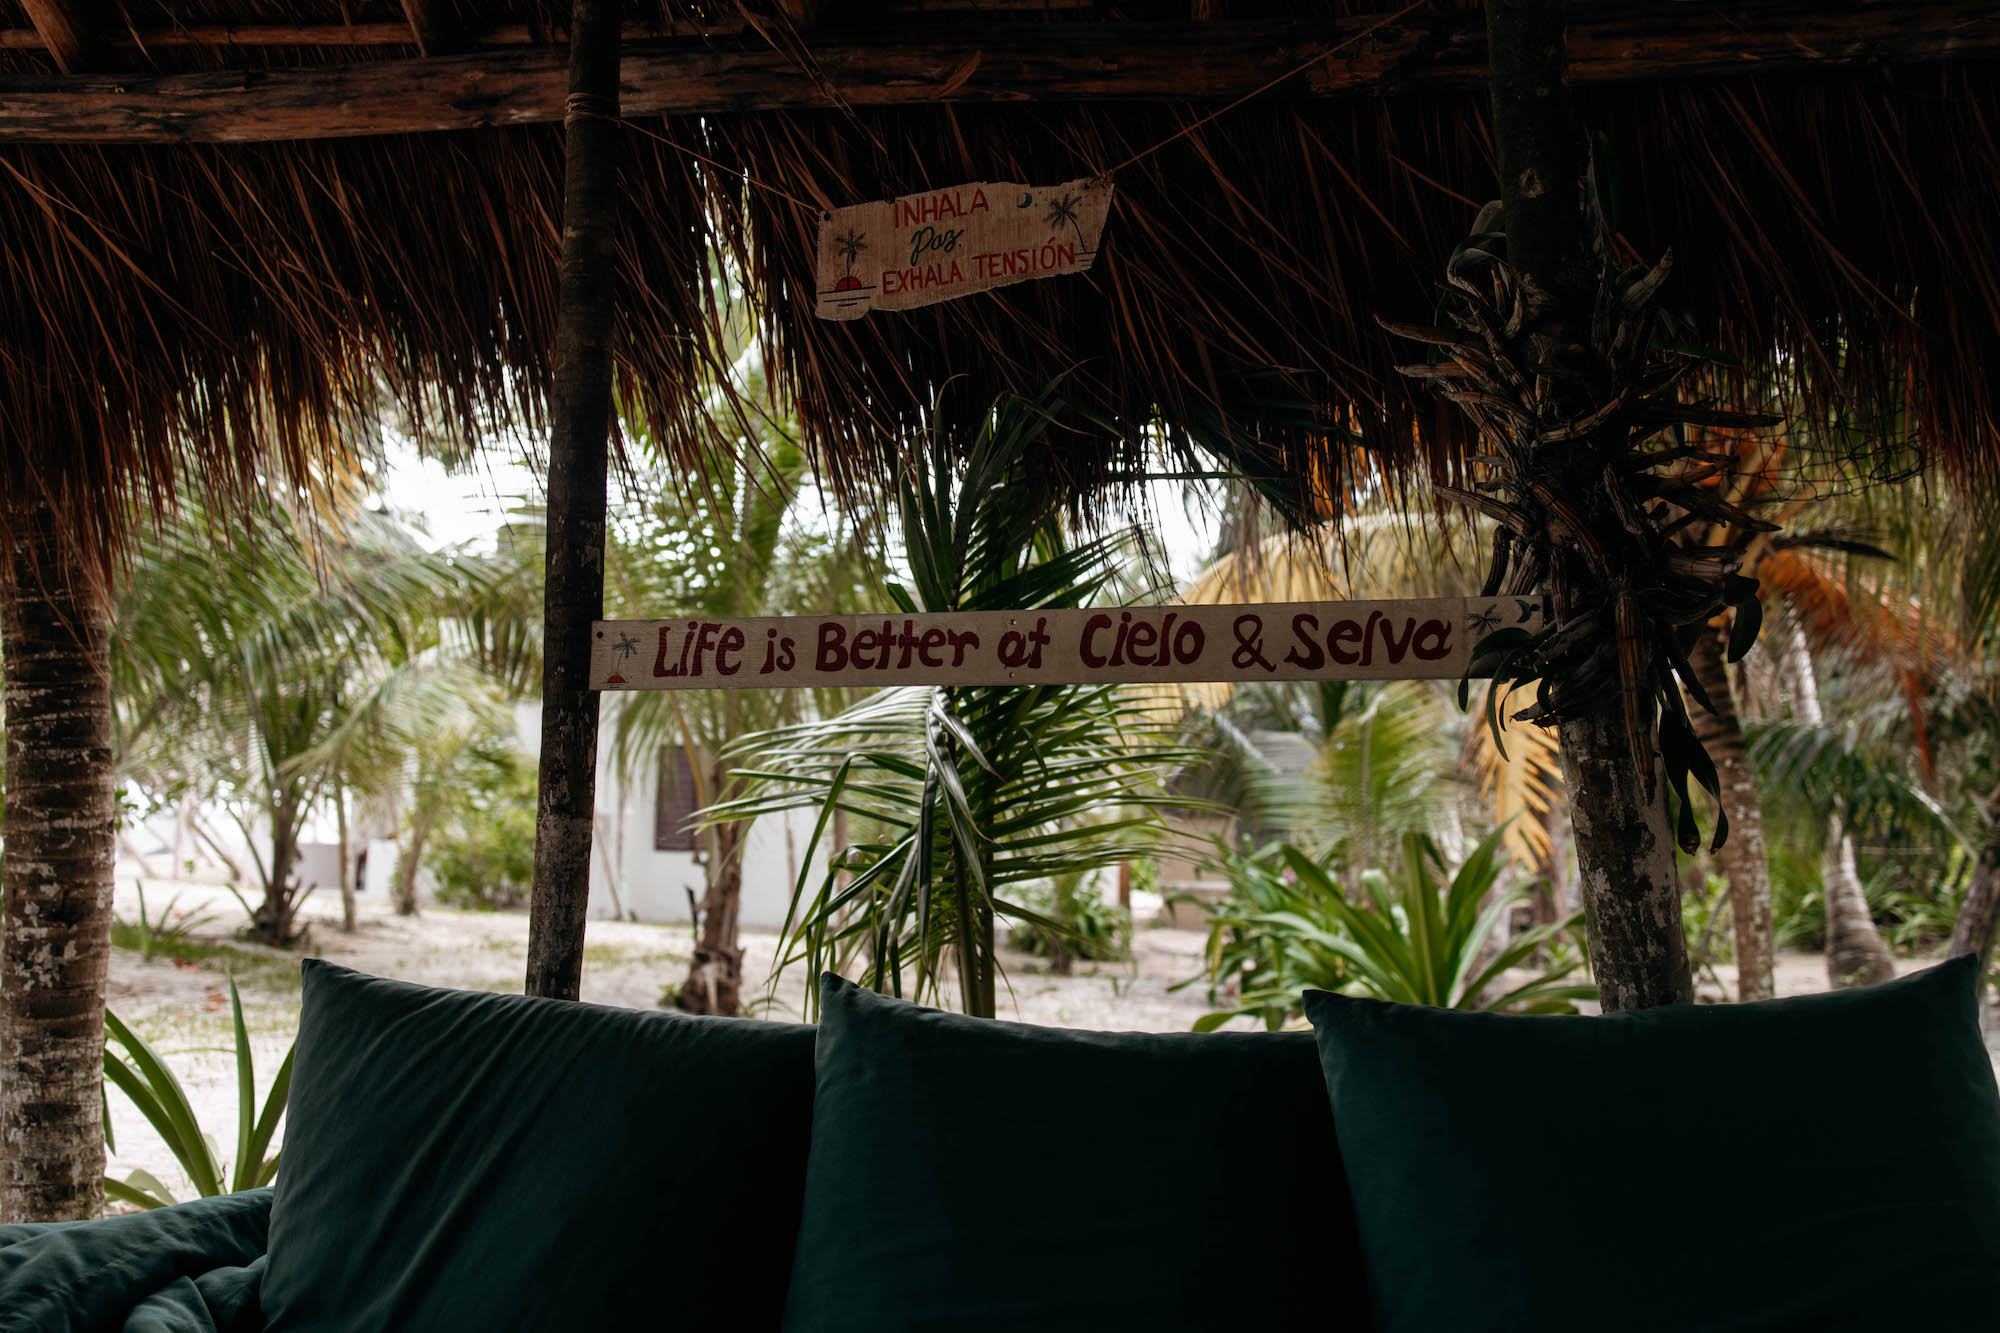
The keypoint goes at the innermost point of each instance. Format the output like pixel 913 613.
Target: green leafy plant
pixel 138 1071
pixel 1081 925
pixel 482 853
pixel 1412 936
pixel 965 793
pixel 168 933
pixel 1594 493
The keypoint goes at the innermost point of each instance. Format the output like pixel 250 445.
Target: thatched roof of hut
pixel 188 289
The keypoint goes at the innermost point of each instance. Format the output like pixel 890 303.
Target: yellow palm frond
pixel 1377 556
pixel 1520 785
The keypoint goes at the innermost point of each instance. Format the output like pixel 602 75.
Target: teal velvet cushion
pixel 464 1161
pixel 193 1266
pixel 1827 1162
pixel 981 1177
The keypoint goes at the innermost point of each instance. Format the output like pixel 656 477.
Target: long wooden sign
pixel 920 249
pixel 1405 640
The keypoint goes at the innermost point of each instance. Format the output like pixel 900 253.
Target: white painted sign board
pixel 920 249
pixel 1400 640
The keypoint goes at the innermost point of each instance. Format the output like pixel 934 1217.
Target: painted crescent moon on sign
pixel 1027 197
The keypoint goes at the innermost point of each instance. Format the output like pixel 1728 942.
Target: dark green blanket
pixel 190 1269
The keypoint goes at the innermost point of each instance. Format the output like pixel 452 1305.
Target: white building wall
pixel 654 885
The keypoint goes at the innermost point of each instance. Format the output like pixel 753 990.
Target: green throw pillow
pixel 459 1161
pixel 1820 1163
pixel 985 1177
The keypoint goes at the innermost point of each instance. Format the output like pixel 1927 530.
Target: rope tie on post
pixel 585 106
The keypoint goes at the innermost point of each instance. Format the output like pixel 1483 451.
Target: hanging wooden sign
pixel 924 248
pixel 1405 640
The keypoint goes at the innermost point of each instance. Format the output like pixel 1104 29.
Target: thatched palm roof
pixel 198 309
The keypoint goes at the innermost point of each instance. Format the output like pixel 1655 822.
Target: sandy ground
pixel 183 1009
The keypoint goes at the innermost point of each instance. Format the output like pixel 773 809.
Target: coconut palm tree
pixel 1919 728
pixel 965 793
pixel 1392 552
pixel 270 663
pixel 60 831
pixel 1796 574
pixel 750 538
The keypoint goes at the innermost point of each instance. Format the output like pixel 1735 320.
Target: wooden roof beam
pixel 402 33
pixel 343 35
pixel 1003 62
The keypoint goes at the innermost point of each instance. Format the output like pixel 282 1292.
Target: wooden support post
pixel 573 595
pixel 1624 843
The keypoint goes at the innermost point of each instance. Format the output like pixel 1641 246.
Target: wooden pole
pixel 573 595
pixel 1624 843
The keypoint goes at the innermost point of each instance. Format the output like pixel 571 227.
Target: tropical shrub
pixel 137 1070
pixel 168 932
pixel 482 854
pixel 1076 924
pixel 1410 936
pixel 970 795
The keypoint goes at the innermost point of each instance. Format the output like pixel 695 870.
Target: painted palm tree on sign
pixel 1063 211
pixel 850 244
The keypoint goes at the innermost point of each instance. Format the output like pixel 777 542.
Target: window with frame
pixel 675 802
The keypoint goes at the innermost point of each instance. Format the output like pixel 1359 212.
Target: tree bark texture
pixel 903 64
pixel 409 860
pixel 273 918
pixel 1625 868
pixel 573 594
pixel 1745 858
pixel 1978 914
pixel 346 865
pixel 715 977
pixel 1855 953
pixel 61 835
pixel 1624 843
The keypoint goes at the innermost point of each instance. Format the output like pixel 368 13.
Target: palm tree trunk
pixel 1973 930
pixel 61 830
pixel 1855 953
pixel 1744 858
pixel 573 593
pixel 273 919
pixel 346 865
pixel 715 977
pixel 1624 845
pixel 410 859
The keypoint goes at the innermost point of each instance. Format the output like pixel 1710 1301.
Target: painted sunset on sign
pixel 939 244
pixel 1291 641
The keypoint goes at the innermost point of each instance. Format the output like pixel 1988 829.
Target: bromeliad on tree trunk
pixel 1596 490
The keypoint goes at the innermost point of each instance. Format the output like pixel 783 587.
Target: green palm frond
pixel 1410 935
pixel 964 796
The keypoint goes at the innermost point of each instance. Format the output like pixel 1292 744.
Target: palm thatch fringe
pixel 221 311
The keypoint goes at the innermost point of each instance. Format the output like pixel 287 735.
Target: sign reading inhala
pixel 1403 640
pixel 924 248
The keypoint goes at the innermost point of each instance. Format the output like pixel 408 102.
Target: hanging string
pixel 1296 70
pixel 737 172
